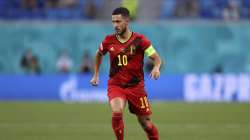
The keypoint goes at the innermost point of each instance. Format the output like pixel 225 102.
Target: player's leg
pixel 148 127
pixel 117 106
pixel 139 105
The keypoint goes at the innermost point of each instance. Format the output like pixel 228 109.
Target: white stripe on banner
pixel 217 87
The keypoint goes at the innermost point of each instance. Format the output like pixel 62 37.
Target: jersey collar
pixel 124 41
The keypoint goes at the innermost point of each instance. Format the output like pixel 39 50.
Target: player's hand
pixel 155 73
pixel 94 81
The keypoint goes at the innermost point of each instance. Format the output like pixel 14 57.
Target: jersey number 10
pixel 122 60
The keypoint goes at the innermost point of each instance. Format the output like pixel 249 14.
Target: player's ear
pixel 127 19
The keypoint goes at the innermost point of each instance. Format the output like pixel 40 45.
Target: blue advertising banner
pixel 76 88
pixel 68 88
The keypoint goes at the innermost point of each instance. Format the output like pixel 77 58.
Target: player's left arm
pixel 154 56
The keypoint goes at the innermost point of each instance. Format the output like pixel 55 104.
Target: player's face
pixel 120 24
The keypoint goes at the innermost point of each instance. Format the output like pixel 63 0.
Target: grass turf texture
pixel 92 121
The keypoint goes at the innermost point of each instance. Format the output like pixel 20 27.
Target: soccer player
pixel 126 83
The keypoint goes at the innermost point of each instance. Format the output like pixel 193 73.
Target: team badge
pixel 132 49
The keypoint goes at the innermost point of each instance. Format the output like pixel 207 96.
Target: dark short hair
pixel 121 11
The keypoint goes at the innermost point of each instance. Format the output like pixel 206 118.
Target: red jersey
pixel 126 59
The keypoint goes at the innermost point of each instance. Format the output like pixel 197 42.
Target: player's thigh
pixel 138 103
pixel 117 104
pixel 117 98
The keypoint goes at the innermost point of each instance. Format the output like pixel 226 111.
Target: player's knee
pixel 117 110
pixel 117 105
pixel 146 123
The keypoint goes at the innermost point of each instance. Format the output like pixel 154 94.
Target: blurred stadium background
pixel 46 55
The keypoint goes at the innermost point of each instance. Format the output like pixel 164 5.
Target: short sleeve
pixel 145 43
pixel 103 46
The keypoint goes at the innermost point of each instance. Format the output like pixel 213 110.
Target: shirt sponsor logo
pixel 112 49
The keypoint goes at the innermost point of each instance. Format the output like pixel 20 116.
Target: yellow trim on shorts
pixel 149 51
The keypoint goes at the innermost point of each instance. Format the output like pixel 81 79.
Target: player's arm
pixel 98 60
pixel 154 56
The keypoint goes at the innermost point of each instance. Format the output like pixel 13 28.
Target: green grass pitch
pixel 91 121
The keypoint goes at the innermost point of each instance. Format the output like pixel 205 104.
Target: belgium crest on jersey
pixel 132 49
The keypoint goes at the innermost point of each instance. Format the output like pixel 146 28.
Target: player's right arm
pixel 98 60
pixel 102 50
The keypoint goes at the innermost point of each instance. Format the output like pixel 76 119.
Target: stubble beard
pixel 122 32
